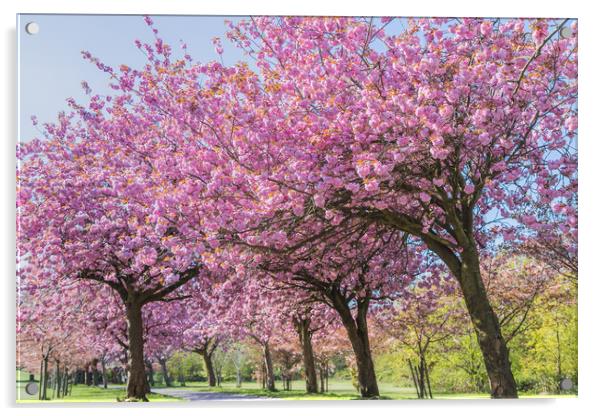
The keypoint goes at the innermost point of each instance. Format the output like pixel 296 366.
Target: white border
pixel 590 346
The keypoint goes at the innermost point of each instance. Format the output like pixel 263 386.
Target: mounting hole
pixel 31 388
pixel 32 28
pixel 566 384
pixel 566 32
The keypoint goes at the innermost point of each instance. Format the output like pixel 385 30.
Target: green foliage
pixel 186 366
pixel 354 380
pixel 542 353
pixel 392 367
pixel 547 352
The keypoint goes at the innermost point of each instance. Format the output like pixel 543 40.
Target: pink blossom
pixel 439 181
pixel 319 200
pixel 484 138
pixel 571 124
pixel 486 28
pixel 371 185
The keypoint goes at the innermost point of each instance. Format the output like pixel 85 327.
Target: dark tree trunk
pixel 321 380
pixel 270 383
pixel 65 381
pixel 137 387
pixel 151 373
pixel 209 366
pixel 357 331
pixel 414 378
pixel 487 327
pixel 428 380
pixel 104 373
pixel 41 379
pixel 309 365
pixel 44 386
pixel 166 379
pixel 57 379
pixel 95 375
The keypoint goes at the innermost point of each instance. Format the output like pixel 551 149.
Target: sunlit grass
pixel 81 393
pixel 338 390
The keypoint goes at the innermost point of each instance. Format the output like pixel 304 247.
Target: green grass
pixel 338 390
pixel 253 389
pixel 81 393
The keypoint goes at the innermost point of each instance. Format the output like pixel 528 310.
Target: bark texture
pixel 357 331
pixel 209 367
pixel 302 326
pixel 137 386
pixel 270 383
pixel 487 328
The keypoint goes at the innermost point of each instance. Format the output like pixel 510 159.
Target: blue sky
pixel 51 67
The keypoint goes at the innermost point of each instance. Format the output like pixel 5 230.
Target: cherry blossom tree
pixel 95 198
pixel 434 131
pixel 353 160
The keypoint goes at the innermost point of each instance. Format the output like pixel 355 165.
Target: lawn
pixel 82 393
pixel 338 390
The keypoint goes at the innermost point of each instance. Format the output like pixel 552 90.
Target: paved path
pixel 206 395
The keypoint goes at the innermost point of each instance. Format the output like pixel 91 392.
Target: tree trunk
pixel 57 379
pixel 166 378
pixel 208 366
pixel 238 377
pixel 95 375
pixel 263 376
pixel 150 373
pixel 487 327
pixel 309 365
pixel 41 379
pixel 104 373
pixel 65 381
pixel 321 380
pixel 269 368
pixel 428 379
pixel 414 378
pixel 137 386
pixel 558 356
pixel 357 331
pixel 44 386
pixel 466 269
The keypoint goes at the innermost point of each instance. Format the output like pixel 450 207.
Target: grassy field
pixel 338 390
pixel 82 394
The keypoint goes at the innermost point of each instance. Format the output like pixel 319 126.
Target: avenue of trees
pixel 375 198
